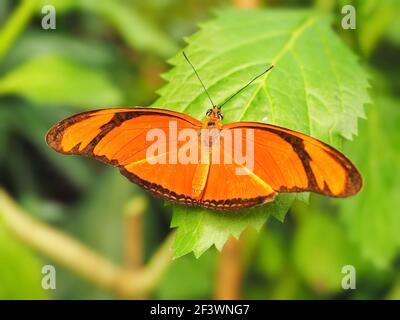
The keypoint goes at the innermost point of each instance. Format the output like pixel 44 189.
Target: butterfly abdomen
pixel 201 173
pixel 200 179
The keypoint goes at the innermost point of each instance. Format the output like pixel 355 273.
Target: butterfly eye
pixel 220 116
pixel 209 112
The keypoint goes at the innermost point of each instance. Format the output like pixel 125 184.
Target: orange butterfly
pixel 281 160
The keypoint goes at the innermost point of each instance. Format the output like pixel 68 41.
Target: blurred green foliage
pixel 20 270
pixel 110 53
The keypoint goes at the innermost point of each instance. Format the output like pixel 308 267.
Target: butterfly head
pixel 214 116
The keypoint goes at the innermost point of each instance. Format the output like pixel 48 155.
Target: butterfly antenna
pixel 240 90
pixel 198 77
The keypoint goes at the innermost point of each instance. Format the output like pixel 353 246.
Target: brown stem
pixel 133 242
pixel 133 232
pixel 230 272
pixel 81 260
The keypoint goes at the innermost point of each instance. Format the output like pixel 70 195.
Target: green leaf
pixel 84 51
pixel 317 87
pixel 61 6
pixel 52 79
pixel 393 31
pixel 136 30
pixel 374 18
pixel 199 229
pixel 371 217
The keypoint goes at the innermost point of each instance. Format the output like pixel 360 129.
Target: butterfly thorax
pixel 213 118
